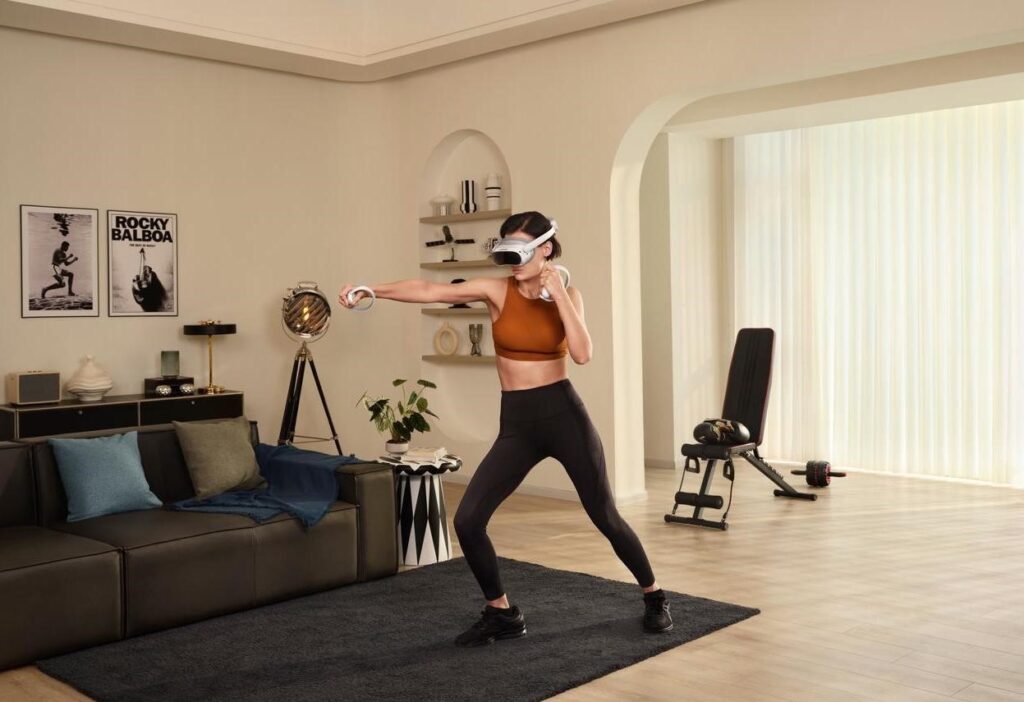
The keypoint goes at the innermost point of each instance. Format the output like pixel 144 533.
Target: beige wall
pixel 655 265
pixel 276 178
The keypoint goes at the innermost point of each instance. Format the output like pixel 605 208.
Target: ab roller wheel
pixel 819 473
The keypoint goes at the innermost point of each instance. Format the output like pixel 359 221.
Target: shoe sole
pixel 491 639
pixel 659 631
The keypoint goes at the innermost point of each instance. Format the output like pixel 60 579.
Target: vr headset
pixel 515 252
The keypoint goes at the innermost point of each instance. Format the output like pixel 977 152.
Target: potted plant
pixel 401 419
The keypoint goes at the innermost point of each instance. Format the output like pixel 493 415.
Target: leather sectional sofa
pixel 65 586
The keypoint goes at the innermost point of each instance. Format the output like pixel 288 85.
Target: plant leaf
pixel 422 404
pixel 397 381
pixel 431 414
pixel 426 384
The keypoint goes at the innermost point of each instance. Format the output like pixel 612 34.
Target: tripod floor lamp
pixel 305 314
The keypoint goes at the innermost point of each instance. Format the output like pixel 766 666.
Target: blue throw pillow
pixel 103 475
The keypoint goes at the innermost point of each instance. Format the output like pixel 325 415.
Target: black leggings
pixel 536 423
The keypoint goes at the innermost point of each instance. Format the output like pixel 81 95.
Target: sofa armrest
pixel 371 487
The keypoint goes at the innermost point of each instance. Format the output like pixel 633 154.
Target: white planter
pixel 396 447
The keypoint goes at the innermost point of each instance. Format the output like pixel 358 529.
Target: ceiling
pixel 348 40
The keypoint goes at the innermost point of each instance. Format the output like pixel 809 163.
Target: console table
pixel 113 412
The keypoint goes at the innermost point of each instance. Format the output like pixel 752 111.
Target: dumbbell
pixel 819 473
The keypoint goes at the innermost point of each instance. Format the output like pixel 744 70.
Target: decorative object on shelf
pixel 492 191
pixel 170 364
pixel 489 244
pixel 401 419
pixel 449 240
pixel 179 385
pixel 90 382
pixel 442 205
pixel 305 314
pixel 210 328
pixel 468 197
pixel 476 334
pixel 33 387
pixel 458 305
pixel 142 256
pixel 163 390
pixel 446 340
pixel 59 269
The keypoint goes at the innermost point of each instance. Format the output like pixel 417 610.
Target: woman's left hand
pixel 551 279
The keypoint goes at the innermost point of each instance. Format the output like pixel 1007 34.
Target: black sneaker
pixel 656 615
pixel 494 623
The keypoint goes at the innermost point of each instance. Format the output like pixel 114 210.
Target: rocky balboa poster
pixel 142 248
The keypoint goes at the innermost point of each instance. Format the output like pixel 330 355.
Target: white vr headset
pixel 515 252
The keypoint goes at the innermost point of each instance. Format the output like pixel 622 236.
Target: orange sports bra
pixel 528 330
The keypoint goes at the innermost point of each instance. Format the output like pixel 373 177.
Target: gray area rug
pixel 391 639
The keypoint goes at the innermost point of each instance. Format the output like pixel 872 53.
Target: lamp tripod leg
pixel 323 400
pixel 291 404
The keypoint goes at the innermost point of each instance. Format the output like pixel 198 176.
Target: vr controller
pixel 352 301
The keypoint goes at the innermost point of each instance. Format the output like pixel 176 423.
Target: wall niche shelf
pixel 445 265
pixel 457 217
pixel 439 311
pixel 459 358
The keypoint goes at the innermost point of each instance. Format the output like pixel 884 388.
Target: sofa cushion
pixel 129 530
pixel 60 592
pixel 102 475
pixel 17 492
pixel 27 546
pixel 219 456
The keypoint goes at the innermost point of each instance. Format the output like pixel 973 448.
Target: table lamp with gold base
pixel 210 328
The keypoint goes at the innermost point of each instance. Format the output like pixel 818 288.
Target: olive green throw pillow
pixel 219 456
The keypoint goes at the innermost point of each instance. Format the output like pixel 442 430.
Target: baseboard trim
pixel 662 463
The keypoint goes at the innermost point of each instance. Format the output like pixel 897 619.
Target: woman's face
pixel 533 268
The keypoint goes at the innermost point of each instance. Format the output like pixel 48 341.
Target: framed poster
pixel 142 256
pixel 59 262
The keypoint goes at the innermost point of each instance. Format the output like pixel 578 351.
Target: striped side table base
pixel 423 534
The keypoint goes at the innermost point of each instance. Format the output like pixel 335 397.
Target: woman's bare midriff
pixel 523 375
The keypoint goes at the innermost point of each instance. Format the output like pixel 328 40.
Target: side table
pixel 422 519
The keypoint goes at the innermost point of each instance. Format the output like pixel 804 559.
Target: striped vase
pixel 468 197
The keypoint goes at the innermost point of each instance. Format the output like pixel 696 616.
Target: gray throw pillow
pixel 219 456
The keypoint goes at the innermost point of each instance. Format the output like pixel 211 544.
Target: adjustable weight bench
pixel 746 401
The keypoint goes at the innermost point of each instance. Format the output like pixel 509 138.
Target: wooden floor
pixel 886 588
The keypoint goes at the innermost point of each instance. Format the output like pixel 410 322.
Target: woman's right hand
pixel 343 296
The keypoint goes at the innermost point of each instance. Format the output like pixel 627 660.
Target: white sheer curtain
pixel 887 256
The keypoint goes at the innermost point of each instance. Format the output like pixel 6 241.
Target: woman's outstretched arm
pixel 422 291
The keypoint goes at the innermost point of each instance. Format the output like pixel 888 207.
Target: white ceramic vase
pixel 90 382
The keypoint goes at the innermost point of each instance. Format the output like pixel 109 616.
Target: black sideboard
pixel 114 412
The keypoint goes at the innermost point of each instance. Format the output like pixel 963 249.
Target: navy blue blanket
pixel 299 482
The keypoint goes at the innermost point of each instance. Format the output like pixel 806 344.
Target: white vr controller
pixel 351 298
pixel 562 271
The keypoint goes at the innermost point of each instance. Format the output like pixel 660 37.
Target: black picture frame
pixel 42 226
pixel 130 233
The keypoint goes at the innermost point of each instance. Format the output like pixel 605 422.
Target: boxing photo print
pixel 142 248
pixel 59 253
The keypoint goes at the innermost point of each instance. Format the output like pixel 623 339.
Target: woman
pixel 541 416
